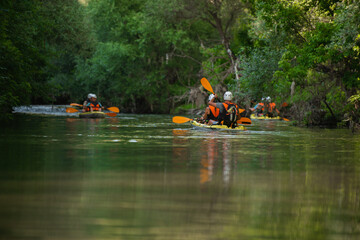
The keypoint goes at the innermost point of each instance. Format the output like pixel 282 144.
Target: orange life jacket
pixel 229 116
pixel 262 105
pixel 95 106
pixel 271 106
pixel 214 113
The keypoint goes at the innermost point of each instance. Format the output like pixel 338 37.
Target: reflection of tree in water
pixel 180 148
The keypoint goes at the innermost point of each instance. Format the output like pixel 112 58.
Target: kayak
pixel 92 115
pixel 252 116
pixel 216 127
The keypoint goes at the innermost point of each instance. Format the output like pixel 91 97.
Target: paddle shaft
pixel 73 110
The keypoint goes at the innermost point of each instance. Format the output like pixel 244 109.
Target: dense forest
pixel 147 56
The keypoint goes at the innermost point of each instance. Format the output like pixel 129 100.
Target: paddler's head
pixel 93 97
pixel 211 97
pixel 228 96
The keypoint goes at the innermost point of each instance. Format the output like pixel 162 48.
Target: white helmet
pixel 93 95
pixel 268 99
pixel 211 97
pixel 228 96
pixel 89 95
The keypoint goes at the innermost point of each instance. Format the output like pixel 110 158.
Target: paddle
pixel 205 83
pixel 73 110
pixel 244 120
pixel 113 109
pixel 285 119
pixel 179 119
pixel 76 105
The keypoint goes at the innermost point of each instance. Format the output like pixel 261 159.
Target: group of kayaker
pixel 216 113
pixel 265 108
pixel 91 104
pixel 227 112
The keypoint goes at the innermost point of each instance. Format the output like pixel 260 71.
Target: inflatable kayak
pixel 92 115
pixel 216 127
pixel 252 116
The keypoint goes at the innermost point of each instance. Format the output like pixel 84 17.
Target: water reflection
pixel 215 153
pixel 272 182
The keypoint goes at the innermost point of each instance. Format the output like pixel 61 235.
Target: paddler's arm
pixel 238 114
pixel 212 103
pixel 89 106
pixel 101 107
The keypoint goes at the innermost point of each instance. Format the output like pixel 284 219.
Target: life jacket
pixel 270 107
pixel 229 116
pixel 95 106
pixel 214 113
pixel 262 106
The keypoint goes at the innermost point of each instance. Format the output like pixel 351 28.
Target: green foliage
pixel 184 108
pixel 140 54
pixel 355 99
pixel 216 64
pixel 323 65
pixel 146 55
pixel 18 53
pixel 257 75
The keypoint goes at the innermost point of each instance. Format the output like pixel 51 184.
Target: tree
pixel 20 62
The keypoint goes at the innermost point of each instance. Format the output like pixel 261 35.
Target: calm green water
pixel 143 177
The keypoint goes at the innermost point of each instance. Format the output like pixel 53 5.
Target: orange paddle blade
pixel 76 104
pixel 241 110
pixel 114 109
pixel 205 83
pixel 112 114
pixel 244 120
pixel 179 119
pixel 285 119
pixel 71 110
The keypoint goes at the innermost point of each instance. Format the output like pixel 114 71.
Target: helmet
pixel 93 95
pixel 228 96
pixel 89 95
pixel 211 97
pixel 268 99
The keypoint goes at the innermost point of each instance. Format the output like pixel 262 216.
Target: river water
pixel 144 177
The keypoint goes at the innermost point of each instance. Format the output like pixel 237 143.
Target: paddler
pixel 93 104
pixel 211 114
pixel 270 108
pixel 86 101
pixel 229 111
pixel 259 108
